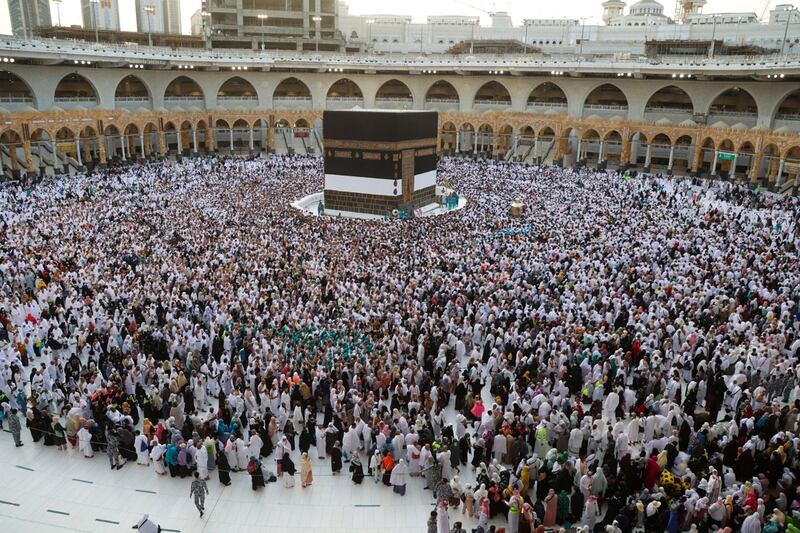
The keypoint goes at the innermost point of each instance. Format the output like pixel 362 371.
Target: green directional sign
pixel 726 157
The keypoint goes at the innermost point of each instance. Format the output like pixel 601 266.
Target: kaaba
pixel 379 162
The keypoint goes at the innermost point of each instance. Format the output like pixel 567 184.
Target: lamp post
pixel 95 5
pixel 149 10
pixel 317 19
pixel 262 17
pixel 472 41
pixel 583 27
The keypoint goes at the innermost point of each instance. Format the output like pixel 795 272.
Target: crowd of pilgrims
pixel 622 357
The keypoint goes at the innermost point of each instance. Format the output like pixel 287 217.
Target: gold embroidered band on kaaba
pixel 377 145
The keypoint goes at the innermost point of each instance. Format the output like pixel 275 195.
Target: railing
pixel 442 101
pixel 345 99
pixel 14 98
pixel 660 109
pixel 394 99
pixel 75 100
pixel 130 99
pixel 87 50
pixel 189 98
pixel 602 107
pixel 291 98
pixel 748 114
pixel 787 116
pixel 493 103
pixel 237 98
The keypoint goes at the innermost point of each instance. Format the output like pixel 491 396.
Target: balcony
pixel 15 101
pixel 184 102
pixel 491 105
pixel 343 102
pixel 605 111
pixel 132 102
pixel 232 102
pixel 292 102
pixel 72 102
pixel 394 103
pixel 673 114
pixel 442 104
pixel 547 108
pixel 732 118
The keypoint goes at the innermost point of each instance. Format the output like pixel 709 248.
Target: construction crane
pixel 476 8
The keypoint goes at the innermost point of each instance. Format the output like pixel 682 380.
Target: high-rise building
pixel 274 24
pixel 27 15
pixel 158 16
pixel 100 14
pixel 172 14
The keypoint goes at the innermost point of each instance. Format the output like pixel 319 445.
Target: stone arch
pixel 394 94
pixel 75 89
pixel 484 139
pixel 733 100
pixel 466 137
pixel 505 138
pixel 683 153
pixel 237 90
pixel 492 93
pixel 669 99
pixel 448 137
pixel 291 93
pixel 132 86
pixel 660 149
pixel 11 141
pixel 788 107
pixel 344 88
pixel 606 96
pixel 706 154
pixel 547 95
pixel 184 91
pixel 442 95
pixel 204 140
pixel 612 148
pixel 15 91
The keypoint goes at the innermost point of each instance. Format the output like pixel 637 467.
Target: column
pixel 251 139
pixel 714 163
pixel 779 177
pixel 55 154
pixel 580 147
pixel 755 167
pixel 697 160
pixel 671 156
pixel 78 152
pixel 733 165
pixel 625 152
pixel 270 137
pixel 210 139
pixel 647 158
pixel 230 131
pixel 122 146
pixel 26 147
pixel 194 140
pixel 101 149
pixel 87 151
pixel 458 141
pixel 600 153
pixel 536 147
pixel 141 143
pixel 12 153
pixel 179 135
pixel 162 143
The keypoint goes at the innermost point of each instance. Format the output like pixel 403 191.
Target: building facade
pixel 274 24
pixel 158 16
pixel 27 15
pixel 102 14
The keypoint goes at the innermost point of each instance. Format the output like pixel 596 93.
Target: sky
pixel 419 9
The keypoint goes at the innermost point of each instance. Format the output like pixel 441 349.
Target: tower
pixel 103 14
pixel 684 8
pixel 28 15
pixel 612 9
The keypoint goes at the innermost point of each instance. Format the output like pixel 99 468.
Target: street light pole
pixel 262 17
pixel 472 41
pixel 317 19
pixel 583 27
pixel 95 5
pixel 369 23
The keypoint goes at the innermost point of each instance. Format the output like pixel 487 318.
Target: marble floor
pixel 46 490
